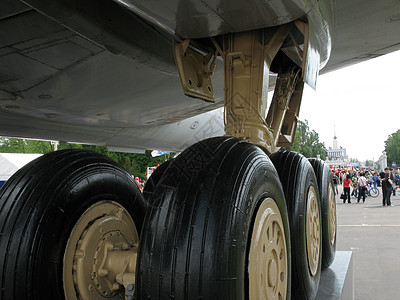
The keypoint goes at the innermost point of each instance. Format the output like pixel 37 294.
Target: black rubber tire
pixel 40 205
pixel 297 177
pixel 328 210
pixel 196 235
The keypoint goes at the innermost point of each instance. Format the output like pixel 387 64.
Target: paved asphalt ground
pixel 372 232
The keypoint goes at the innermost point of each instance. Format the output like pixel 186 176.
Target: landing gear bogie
pixel 223 221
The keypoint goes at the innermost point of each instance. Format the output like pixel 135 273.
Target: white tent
pixel 11 162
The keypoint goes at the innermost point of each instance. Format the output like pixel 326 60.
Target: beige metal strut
pixel 248 57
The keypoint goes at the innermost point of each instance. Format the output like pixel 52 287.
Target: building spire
pixel 334 132
pixel 335 141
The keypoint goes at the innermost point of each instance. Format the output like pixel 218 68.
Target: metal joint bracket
pixel 195 70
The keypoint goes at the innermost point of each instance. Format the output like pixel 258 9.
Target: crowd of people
pixel 356 182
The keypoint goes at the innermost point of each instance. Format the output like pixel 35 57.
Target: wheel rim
pixel 313 231
pixel 102 225
pixel 332 215
pixel 374 192
pixel 268 262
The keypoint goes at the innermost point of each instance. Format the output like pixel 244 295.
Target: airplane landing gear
pixel 217 217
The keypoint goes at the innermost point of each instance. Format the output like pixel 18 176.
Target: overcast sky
pixel 363 103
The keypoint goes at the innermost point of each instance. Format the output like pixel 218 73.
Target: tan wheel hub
pixel 332 215
pixel 100 255
pixel 313 231
pixel 268 265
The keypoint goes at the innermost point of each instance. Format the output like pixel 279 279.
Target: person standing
pixel 362 184
pixel 375 179
pixel 137 181
pixel 386 187
pixel 394 181
pixel 354 180
pixel 335 183
pixel 346 188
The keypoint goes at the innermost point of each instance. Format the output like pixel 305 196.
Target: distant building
pixel 336 156
pixel 382 162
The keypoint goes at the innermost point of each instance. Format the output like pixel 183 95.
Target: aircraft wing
pixel 103 71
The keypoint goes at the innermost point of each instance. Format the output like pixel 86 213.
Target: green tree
pixel 392 148
pixel 11 145
pixel 369 163
pixel 135 164
pixel 307 142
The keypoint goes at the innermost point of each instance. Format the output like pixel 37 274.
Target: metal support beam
pixel 284 109
pixel 248 57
